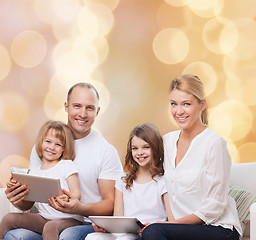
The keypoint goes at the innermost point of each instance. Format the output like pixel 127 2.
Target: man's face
pixel 82 110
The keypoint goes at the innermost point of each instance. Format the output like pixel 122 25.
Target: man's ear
pixel 98 111
pixel 66 106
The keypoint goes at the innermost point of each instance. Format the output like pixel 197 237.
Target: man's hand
pixel 70 206
pixel 16 193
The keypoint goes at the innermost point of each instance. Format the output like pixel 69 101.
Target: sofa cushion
pixel 244 199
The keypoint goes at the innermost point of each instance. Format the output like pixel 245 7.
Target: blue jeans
pixel 74 233
pixel 168 231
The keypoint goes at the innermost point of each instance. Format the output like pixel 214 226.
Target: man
pixel 97 162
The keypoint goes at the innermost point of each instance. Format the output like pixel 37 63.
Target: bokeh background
pixel 130 50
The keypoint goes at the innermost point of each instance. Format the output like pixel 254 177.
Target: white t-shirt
pixel 62 170
pixel 199 183
pixel 144 201
pixel 95 159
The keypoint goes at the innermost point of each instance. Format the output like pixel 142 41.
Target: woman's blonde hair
pixel 192 85
pixel 63 132
pixel 151 135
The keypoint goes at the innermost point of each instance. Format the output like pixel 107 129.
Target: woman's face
pixel 185 109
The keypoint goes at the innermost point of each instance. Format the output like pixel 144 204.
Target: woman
pixel 197 166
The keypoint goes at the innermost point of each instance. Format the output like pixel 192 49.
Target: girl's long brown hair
pixel 151 135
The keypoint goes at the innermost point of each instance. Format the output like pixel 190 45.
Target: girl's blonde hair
pixel 192 85
pixel 151 135
pixel 63 132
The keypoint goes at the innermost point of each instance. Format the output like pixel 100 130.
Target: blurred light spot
pixel 95 20
pixel 111 4
pixel 206 74
pixel 75 66
pixel 15 112
pixel 220 121
pixel 201 5
pixel 5 165
pixel 241 116
pixel 233 9
pixel 247 152
pixel 54 100
pixel 10 143
pixel 60 49
pixel 168 16
pixel 177 3
pixel 104 95
pixel 233 151
pixel 245 47
pixel 47 10
pixel 102 48
pixel 5 63
pixel 34 81
pixel 220 35
pixel 64 25
pixel 243 91
pixel 61 115
pixel 239 70
pixel 36 120
pixel 171 46
pixel 28 49
pixel 88 50
pixel 206 9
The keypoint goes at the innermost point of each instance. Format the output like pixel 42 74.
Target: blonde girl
pixel 55 147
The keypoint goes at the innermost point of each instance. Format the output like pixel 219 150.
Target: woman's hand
pixel 97 228
pixel 142 229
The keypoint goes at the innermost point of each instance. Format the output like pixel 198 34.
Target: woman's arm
pixel 119 203
pixel 73 185
pixel 168 207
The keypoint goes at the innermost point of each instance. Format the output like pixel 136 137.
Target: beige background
pixel 130 50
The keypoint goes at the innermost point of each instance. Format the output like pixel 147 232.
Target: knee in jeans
pixel 150 232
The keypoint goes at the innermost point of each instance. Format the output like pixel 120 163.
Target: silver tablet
pixel 40 188
pixel 117 224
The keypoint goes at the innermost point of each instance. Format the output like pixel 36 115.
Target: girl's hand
pixel 97 228
pixel 64 197
pixel 142 229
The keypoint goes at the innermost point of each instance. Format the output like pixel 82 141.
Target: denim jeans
pixel 74 233
pixel 168 231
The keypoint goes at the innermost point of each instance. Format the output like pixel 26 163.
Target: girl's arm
pixel 119 203
pixel 73 185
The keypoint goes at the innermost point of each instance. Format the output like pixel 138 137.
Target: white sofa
pixel 243 175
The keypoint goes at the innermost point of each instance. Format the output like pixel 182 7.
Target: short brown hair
pixel 63 132
pixel 150 134
pixel 82 85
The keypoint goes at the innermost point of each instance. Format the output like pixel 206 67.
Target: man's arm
pixel 74 206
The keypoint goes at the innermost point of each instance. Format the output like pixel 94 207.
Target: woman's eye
pixel 173 104
pixel 187 104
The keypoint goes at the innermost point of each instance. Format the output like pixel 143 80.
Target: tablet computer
pixel 117 224
pixel 40 188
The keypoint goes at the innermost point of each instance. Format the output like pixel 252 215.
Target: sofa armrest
pixel 5 205
pixel 253 221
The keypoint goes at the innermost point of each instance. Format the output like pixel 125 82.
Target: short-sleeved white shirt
pixel 144 201
pixel 199 183
pixel 62 170
pixel 95 159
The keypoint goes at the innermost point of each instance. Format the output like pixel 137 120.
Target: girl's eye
pixel 187 104
pixel 173 104
pixel 134 148
pixel 147 147
pixel 59 145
